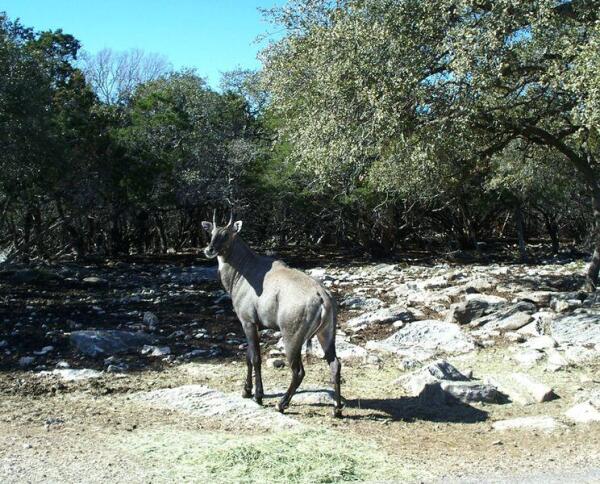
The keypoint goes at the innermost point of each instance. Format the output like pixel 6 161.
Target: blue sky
pixel 210 35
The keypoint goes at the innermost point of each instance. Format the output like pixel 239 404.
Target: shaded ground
pixel 95 431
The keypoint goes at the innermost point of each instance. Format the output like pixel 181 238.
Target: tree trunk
pixel 552 228
pixel 520 233
pixel 26 250
pixel 594 267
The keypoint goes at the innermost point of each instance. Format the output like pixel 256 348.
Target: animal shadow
pixel 410 409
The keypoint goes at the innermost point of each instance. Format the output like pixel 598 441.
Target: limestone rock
pixel 521 388
pixel 581 328
pixel 381 316
pixel 539 391
pixel 108 342
pixel 528 357
pixel 541 343
pixel 230 410
pixel 429 335
pixel 541 422
pixel 584 413
pixel 475 306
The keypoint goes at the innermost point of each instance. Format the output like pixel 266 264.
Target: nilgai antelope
pixel 267 293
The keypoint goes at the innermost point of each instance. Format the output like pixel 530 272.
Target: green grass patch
pixel 315 456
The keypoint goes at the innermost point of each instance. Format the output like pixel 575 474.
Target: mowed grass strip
pixel 321 456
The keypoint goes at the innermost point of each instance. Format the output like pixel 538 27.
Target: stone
pixel 25 361
pixel 479 285
pixel 530 329
pixel 543 342
pixel 381 316
pixel 539 298
pixel 438 371
pixel 345 350
pixel 94 281
pixel 360 302
pixel 191 275
pixel 584 413
pixel 555 360
pixel 44 351
pixel 428 335
pixel 475 306
pixel 470 391
pixel 150 319
pixel 321 396
pixel 514 337
pixel 514 321
pixel 231 411
pixel 580 355
pixel 117 368
pixel 150 350
pixel 521 389
pixel 275 363
pixel 539 391
pixel 107 342
pixel 540 422
pixel 440 383
pixel 581 328
pixel 319 274
pixel 528 358
pixel 69 374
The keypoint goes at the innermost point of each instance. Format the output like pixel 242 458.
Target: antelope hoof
pixel 246 393
pixel 258 400
pixel 337 412
pixel 281 407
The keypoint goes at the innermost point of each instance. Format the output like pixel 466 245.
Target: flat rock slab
pixel 522 389
pixel 585 412
pixel 109 342
pixel 381 316
pixel 577 329
pixel 471 391
pixel 69 374
pixel 192 275
pixel 311 396
pixel 540 422
pixel 230 410
pixel 432 335
pixel 345 350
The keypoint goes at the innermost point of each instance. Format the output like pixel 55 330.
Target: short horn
pixel 230 219
pixel 214 217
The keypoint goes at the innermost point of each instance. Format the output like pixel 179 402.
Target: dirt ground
pixel 94 431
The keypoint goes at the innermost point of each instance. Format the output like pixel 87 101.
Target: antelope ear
pixel 237 225
pixel 208 226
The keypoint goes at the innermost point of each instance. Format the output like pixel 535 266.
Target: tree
pixel 367 84
pixel 114 75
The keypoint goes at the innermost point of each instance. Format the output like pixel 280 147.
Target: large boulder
pixel 522 389
pixel 431 335
pixel 580 328
pixel 509 318
pixel 440 383
pixel 475 306
pixel 109 342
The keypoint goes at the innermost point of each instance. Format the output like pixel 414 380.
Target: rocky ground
pixel 132 371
